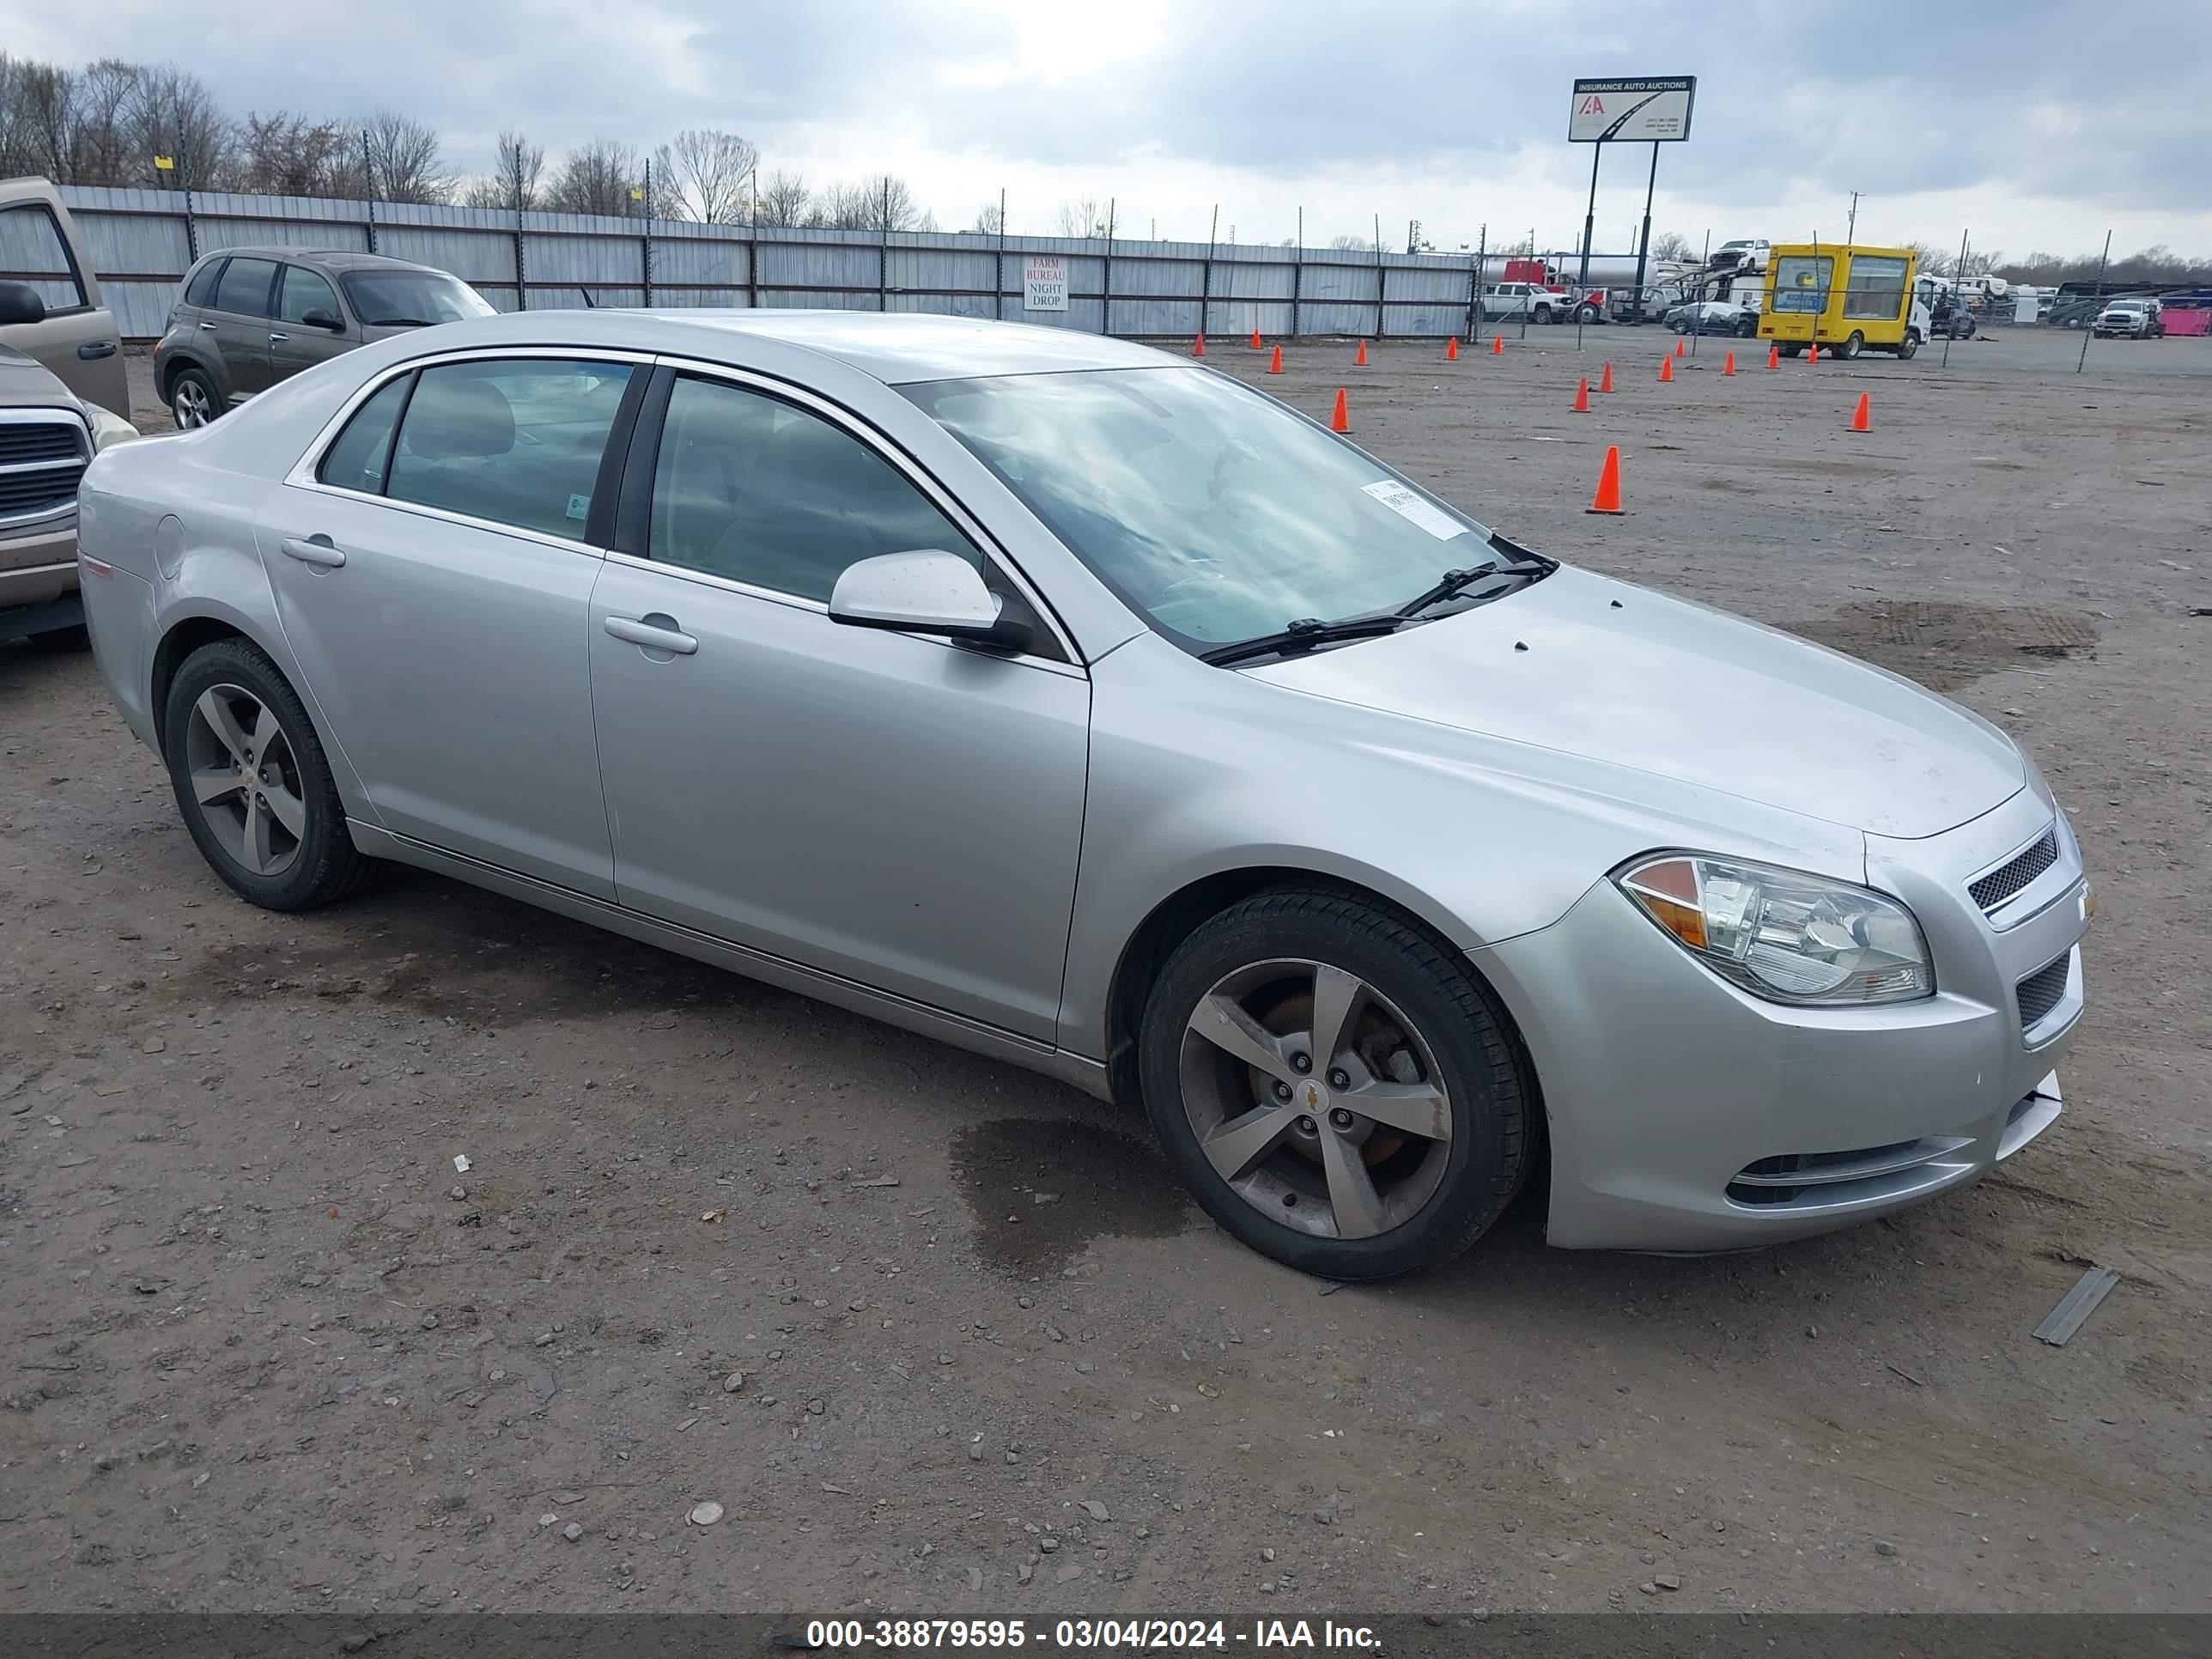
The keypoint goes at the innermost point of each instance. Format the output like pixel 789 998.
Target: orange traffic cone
pixel 1497 345
pixel 1256 339
pixel 1863 416
pixel 1666 368
pixel 1681 347
pixel 1339 420
pixel 1581 397
pixel 1451 349
pixel 1275 363
pixel 1728 364
pixel 1608 499
pixel 1814 356
pixel 1198 346
pixel 1360 361
pixel 1606 383
pixel 1774 356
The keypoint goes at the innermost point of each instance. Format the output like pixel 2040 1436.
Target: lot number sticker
pixel 1407 505
pixel 1044 283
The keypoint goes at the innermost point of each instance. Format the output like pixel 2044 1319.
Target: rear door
pixel 241 314
pixel 77 340
pixel 294 342
pixel 436 595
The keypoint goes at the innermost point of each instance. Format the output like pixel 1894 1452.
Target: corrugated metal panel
pixel 827 267
pixel 709 298
pixel 133 243
pixel 474 256
pixel 1240 317
pixel 1251 281
pixel 554 258
pixel 1442 283
pixel 946 305
pixel 572 299
pixel 785 299
pixel 226 231
pixel 1142 276
pixel 1431 321
pixel 1339 283
pixel 939 268
pixel 1333 318
pixel 1148 318
pixel 141 309
pixel 699 261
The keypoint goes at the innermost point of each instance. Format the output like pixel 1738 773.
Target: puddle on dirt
pixel 1945 645
pixel 1101 1185
pixel 442 949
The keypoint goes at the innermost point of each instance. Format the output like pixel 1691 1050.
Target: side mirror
pixel 320 318
pixel 925 591
pixel 20 303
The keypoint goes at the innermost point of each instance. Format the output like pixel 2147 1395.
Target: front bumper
pixel 1687 1115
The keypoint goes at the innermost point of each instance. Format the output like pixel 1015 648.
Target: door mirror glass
pixel 926 591
pixel 20 303
pixel 320 318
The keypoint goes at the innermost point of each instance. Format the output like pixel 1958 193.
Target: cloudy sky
pixel 2034 123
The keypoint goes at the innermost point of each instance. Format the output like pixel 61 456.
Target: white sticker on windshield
pixel 1407 504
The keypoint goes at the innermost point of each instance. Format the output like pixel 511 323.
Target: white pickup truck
pixel 1536 302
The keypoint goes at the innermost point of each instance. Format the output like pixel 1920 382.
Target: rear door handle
pixel 652 637
pixel 314 551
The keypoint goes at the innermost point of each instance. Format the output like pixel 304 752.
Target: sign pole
pixel 2087 330
pixel 1643 246
pixel 1590 214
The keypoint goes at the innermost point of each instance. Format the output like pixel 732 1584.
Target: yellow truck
pixel 1844 300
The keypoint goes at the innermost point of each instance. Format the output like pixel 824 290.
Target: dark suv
pixel 249 317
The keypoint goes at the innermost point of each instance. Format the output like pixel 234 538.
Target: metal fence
pixel 142 241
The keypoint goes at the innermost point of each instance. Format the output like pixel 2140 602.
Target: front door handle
pixel 315 549
pixel 274 339
pixel 93 350
pixel 652 636
pixel 207 328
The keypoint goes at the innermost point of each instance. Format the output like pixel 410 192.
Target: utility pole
pixel 1851 225
pixel 369 186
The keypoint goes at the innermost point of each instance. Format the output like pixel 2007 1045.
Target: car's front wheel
pixel 1333 1086
pixel 252 783
pixel 192 398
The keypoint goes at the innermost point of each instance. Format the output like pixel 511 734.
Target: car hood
pixel 26 382
pixel 1623 676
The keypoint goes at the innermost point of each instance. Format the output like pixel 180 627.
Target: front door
pixel 894 810
pixel 294 342
pixel 436 598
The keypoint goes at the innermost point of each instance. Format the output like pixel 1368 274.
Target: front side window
pixel 1210 509
pixel 244 290
pixel 411 299
pixel 300 291
pixel 31 244
pixel 1800 283
pixel 515 440
pixel 757 491
pixel 1876 292
pixel 357 460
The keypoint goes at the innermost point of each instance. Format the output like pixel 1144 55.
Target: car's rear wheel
pixel 192 398
pixel 252 783
pixel 1333 1086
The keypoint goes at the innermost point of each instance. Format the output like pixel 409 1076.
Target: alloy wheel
pixel 246 780
pixel 1315 1100
pixel 190 405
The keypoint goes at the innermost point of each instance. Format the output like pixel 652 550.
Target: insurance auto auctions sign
pixel 1655 109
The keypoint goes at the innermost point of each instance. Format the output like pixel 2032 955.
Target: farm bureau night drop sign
pixel 1044 283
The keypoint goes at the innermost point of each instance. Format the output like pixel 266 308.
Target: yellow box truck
pixel 1844 300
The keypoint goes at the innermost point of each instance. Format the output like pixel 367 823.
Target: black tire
pixel 1910 344
pixel 1543 313
pixel 1854 342
pixel 326 866
pixel 62 640
pixel 1585 314
pixel 186 383
pixel 1457 1018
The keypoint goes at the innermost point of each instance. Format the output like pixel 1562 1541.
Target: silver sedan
pixel 1075 704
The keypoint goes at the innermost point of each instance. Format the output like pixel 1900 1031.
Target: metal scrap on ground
pixel 2077 1305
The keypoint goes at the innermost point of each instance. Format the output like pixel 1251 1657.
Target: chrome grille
pixel 2000 884
pixel 41 463
pixel 2040 992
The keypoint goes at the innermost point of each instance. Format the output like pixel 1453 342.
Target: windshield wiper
pixel 1529 566
pixel 1303 635
pixel 402 322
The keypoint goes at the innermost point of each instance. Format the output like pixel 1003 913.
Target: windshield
pixel 418 297
pixel 1211 509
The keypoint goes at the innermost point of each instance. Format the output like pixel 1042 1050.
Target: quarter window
pixel 303 291
pixel 244 290
pixel 517 440
pixel 748 487
pixel 201 289
pixel 357 460
pixel 31 243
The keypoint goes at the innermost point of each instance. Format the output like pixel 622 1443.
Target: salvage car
pixel 1714 317
pixel 1083 707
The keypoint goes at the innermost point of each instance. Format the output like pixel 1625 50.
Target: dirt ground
pixel 940 1337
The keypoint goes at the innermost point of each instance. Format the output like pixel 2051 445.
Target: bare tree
pixel 709 173
pixel 1672 245
pixel 282 154
pixel 173 114
pixel 990 220
pixel 403 159
pixel 596 178
pixel 517 164
pixel 1084 215
pixel 783 198
pixel 883 203
pixel 1352 244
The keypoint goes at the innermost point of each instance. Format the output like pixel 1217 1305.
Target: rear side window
pixel 357 460
pixel 32 251
pixel 300 291
pixel 200 291
pixel 517 440
pixel 244 288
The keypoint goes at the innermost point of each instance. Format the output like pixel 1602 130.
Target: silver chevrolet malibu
pixel 1075 704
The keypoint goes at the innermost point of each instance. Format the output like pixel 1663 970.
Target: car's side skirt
pixel 1088 1075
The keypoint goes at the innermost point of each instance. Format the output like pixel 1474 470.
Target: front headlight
pixel 1783 934
pixel 107 427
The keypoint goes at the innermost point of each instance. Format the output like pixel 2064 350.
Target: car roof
pixel 330 258
pixel 897 347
